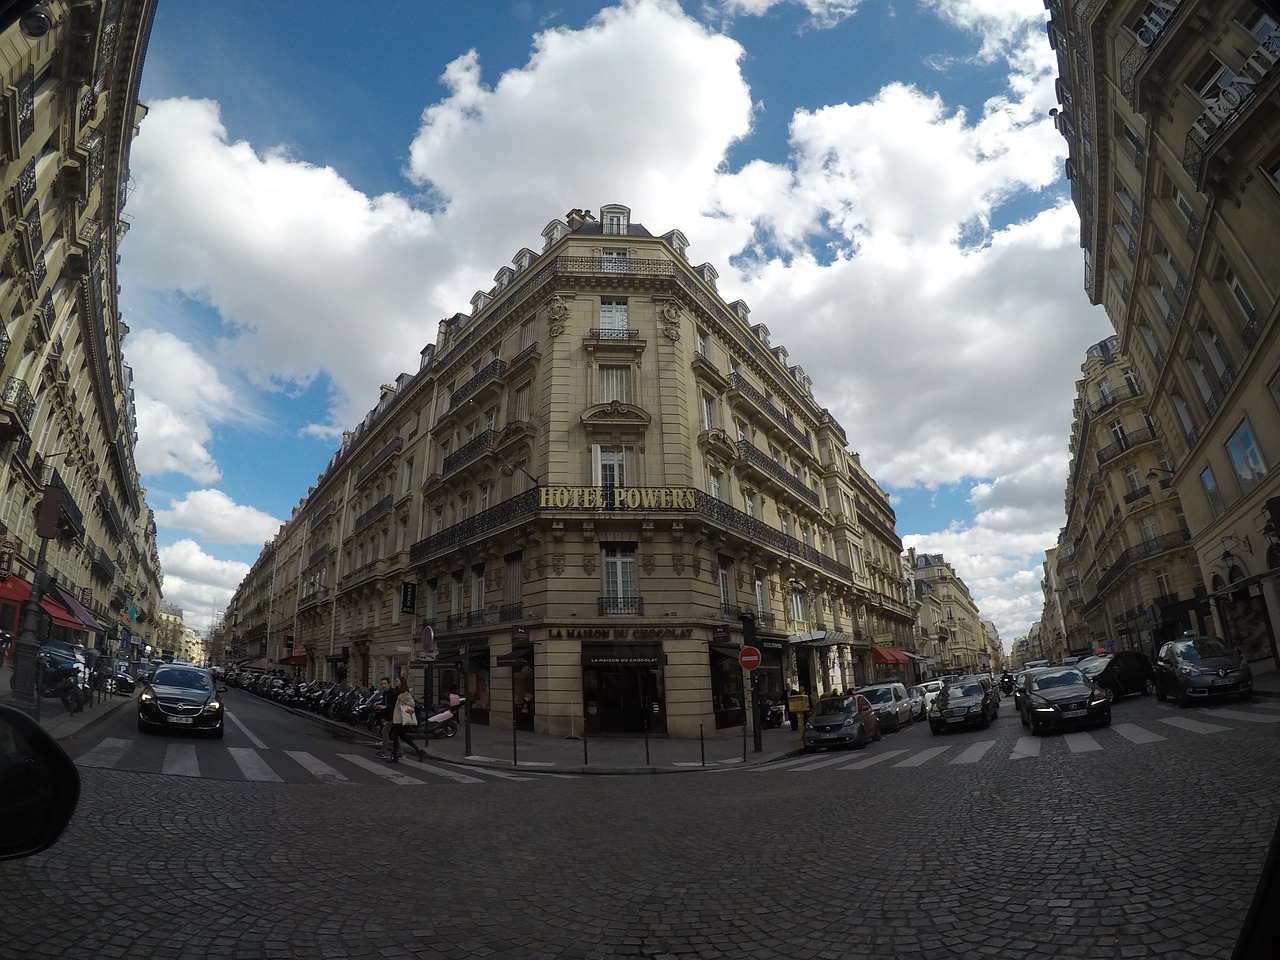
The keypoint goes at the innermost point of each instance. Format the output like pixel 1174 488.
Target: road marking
pixel 447 773
pixel 781 764
pixel 1195 726
pixel 523 763
pixel 1027 748
pixel 975 753
pixel 924 756
pixel 877 758
pixel 180 761
pixel 819 764
pixel 1266 703
pixel 243 729
pixel 314 765
pixel 253 766
pixel 1081 742
pixel 1135 734
pixel 1246 717
pixel 383 769
pixel 105 754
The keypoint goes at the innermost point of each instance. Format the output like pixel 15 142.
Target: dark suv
pixel 965 702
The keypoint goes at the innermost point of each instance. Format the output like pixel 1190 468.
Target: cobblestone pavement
pixel 1114 853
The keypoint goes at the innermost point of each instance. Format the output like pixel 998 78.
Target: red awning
pixel 14 590
pixel 60 615
pixel 297 660
pixel 888 655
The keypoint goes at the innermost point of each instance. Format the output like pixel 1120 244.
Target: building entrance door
pixel 623 691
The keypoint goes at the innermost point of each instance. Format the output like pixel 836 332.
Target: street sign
pixel 8 548
pixel 749 657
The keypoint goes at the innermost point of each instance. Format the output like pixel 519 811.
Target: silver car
pixel 1197 668
pixel 891 704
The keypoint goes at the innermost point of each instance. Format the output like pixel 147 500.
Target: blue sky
pixel 880 181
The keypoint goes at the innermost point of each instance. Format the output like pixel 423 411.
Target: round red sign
pixel 749 657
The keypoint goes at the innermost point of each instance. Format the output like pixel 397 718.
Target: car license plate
pixel 178 719
pixel 1219 681
pixel 825 736
pixel 955 719
pixel 1072 714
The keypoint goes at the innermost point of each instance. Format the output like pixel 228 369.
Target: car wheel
pixel 935 730
pixel 1246 695
pixel 985 721
pixel 1106 721
pixel 897 725
pixel 808 749
pixel 1023 717
pixel 1148 687
pixel 217 732
pixel 877 735
pixel 142 727
pixel 1160 694
pixel 1184 701
pixel 860 741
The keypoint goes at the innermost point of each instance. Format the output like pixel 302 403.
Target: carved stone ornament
pixel 557 564
pixel 646 563
pixel 589 563
pixel 559 310
pixel 677 564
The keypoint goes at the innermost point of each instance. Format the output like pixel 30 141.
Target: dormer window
pixel 708 274
pixel 615 219
pixel 503 277
pixel 552 233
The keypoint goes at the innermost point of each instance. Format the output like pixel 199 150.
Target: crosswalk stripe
pixel 781 764
pixel 253 766
pixel 180 761
pixel 875 758
pixel 1195 726
pixel 1027 748
pixel 383 769
pixel 314 765
pixel 819 764
pixel 445 772
pixel 975 753
pixel 105 754
pixel 1246 717
pixel 1080 742
pixel 924 756
pixel 1135 734
pixel 1270 703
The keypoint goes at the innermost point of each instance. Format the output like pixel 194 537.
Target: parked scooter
pixel 772 715
pixel 443 719
pixel 58 680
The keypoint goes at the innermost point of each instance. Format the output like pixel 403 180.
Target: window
pixel 1164 583
pixel 477 588
pixel 784 520
pixel 715 484
pixel 613 315
pixel 1183 204
pixel 1240 295
pixel 513 578
pixel 444 454
pixel 762 603
pixel 1127 239
pixel 406 473
pixel 1256 22
pixel 725 580
pixel 615 383
pixel 1211 492
pixel 526 334
pixel 797 603
pixel 1127 203
pixel 1107 393
pixel 455 599
pixel 702 347
pixel 1150 529
pixel 749 505
pixel 610 467
pixel 1212 79
pixel 464 506
pixel 1131 481
pixel 486 490
pixel 1246 457
pixel 437 519
pixel 1133 139
pixel 619 571
pixel 708 411
pixel 522 403
pixel 614 224
pixel 613 261
pixel 1117 432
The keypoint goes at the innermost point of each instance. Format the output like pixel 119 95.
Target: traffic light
pixel 47 513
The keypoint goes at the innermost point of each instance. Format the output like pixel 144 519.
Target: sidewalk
pixel 54 716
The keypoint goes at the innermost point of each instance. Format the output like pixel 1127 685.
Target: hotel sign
pixel 1239 91
pixel 616 498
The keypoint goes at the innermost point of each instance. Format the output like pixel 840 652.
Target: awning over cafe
pixel 825 638
pixel 888 655
pixel 78 609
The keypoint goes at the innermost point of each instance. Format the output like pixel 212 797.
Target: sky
pixel 315 185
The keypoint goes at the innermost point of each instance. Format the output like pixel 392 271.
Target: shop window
pixel 1246 457
pixel 727 693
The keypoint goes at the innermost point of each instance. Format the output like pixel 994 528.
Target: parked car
pixel 891 704
pixel 1061 698
pixel 119 681
pixel 1198 668
pixel 931 690
pixel 919 703
pixel 181 698
pixel 841 722
pixel 962 703
pixel 1123 672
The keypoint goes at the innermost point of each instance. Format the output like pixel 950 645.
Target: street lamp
pixel 1154 474
pixel 509 470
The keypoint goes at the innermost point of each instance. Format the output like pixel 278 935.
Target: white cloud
pixel 215 518
pixel 942 331
pixel 198 583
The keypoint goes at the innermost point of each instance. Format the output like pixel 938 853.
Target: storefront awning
pixel 298 660
pixel 825 638
pixel 888 655
pixel 78 609
pixel 14 589
pixel 59 614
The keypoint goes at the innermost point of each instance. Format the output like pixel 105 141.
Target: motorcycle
pixel 1006 684
pixel 58 680
pixel 772 715
pixel 443 719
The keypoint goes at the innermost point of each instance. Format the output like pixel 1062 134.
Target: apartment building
pixel 948 616
pixel 68 113
pixel 596 484
pixel 1168 109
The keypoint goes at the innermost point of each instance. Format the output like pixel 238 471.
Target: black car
pixel 1061 698
pixel 964 703
pixel 181 698
pixel 1200 668
pixel 1123 673
pixel 841 722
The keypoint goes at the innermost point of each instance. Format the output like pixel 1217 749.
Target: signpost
pixel 749 657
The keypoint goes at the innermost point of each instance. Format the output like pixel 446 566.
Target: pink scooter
pixel 443 721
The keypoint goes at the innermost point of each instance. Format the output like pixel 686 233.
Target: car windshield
pixel 971 689
pixel 1057 678
pixel 829 708
pixel 878 694
pixel 1093 666
pixel 932 686
pixel 187 679
pixel 1200 648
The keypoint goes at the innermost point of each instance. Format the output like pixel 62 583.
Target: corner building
pixel 1169 109
pixel 569 507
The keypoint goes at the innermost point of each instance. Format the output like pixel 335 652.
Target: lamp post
pixel 509 470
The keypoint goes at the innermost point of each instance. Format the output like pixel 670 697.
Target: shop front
pixel 623 689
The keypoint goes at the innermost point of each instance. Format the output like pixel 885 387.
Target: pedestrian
pixel 403 719
pixel 384 708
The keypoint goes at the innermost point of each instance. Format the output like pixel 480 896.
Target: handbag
pixel 408 717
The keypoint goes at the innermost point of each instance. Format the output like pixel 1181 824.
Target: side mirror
pixel 39 786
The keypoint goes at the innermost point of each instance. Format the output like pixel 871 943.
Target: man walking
pixel 384 715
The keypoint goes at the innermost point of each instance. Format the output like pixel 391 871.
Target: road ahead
pixel 1141 840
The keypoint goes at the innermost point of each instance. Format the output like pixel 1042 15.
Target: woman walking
pixel 403 719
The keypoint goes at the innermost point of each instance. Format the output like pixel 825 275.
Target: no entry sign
pixel 749 657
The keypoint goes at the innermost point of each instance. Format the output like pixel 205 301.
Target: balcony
pixel 739 385
pixel 469 451
pixel 474 388
pixel 768 467
pixel 379 458
pixel 17 407
pixel 373 513
pixel 510 611
pixel 1127 392
pixel 613 340
pixel 1126 442
pixel 607 606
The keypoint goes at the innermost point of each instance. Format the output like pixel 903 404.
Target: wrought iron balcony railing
pixel 758 458
pixel 624 605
